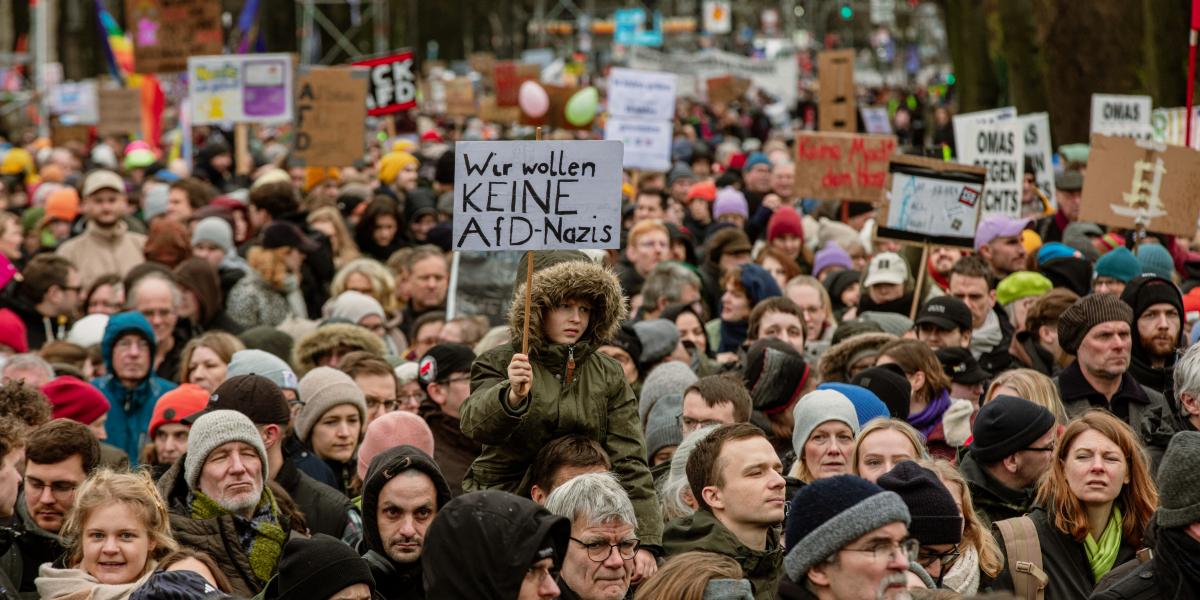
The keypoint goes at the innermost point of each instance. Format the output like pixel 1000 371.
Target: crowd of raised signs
pixel 225 384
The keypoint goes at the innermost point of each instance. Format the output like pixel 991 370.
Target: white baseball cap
pixel 886 267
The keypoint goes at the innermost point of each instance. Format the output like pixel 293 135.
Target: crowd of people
pixel 220 383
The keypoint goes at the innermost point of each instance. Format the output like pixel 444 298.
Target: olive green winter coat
pixel 702 532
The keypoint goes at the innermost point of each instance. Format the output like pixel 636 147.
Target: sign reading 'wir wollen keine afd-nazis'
pixel 537 195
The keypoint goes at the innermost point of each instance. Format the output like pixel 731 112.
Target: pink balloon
pixel 533 100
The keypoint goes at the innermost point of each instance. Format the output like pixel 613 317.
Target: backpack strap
pixel 1145 555
pixel 1024 557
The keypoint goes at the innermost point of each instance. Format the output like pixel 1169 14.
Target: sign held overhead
pixel 1125 116
pixel 240 88
pixel 329 116
pixel 842 166
pixel 1130 181
pixel 393 83
pixel 932 201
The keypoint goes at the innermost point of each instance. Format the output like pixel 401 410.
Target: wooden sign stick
pixel 916 303
pixel 529 280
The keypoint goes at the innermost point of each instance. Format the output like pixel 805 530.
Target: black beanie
pixel 627 339
pixel 775 375
pixel 935 516
pixel 1006 425
pixel 1148 290
pixel 1069 272
pixel 889 383
pixel 319 567
pixel 442 361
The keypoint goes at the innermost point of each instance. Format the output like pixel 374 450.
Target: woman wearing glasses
pixel 1092 507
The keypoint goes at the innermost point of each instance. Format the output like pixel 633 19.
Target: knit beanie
pixel 828 514
pixel 1052 250
pixel 818 407
pixel 1079 235
pixel 319 567
pixel 63 204
pixel 662 427
pixel 397 428
pixel 668 378
pixel 1086 313
pixel 775 375
pixel 270 340
pixel 215 231
pixel 867 405
pixel 1022 284
pixel 935 516
pixel 1155 260
pixel 1119 264
pixel 13 333
pixel 626 338
pixel 1178 494
pixel 838 282
pixel 322 389
pixel 705 190
pixel 832 255
pixel 314 176
pixel 759 283
pixel 1110 241
pixel 680 170
pixel 177 404
pixel 355 306
pixel 212 430
pixel 658 338
pixel 75 399
pixel 257 362
pixel 890 386
pixel 154 203
pixel 1070 272
pixel 730 201
pixel 87 331
pixel 1148 290
pixel 392 163
pixel 755 159
pixel 1006 425
pixel 785 221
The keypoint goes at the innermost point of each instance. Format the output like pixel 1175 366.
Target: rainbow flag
pixel 118 54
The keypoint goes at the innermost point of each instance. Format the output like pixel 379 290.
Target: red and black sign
pixel 393 83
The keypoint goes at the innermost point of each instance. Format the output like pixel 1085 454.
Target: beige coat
pixel 97 252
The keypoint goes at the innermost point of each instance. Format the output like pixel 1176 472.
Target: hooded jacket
pixel 575 390
pixel 97 251
pixel 701 531
pixel 24 547
pixel 131 408
pixel 481 545
pixel 327 338
pixel 835 362
pixel 392 579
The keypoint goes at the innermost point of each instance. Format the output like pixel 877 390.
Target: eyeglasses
pixel 928 558
pixel 415 397
pixel 689 424
pixel 130 343
pixel 884 551
pixel 59 489
pixel 1050 448
pixel 374 403
pixel 600 551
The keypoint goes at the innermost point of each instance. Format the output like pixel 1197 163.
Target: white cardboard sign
pixel 1038 149
pixel 1000 148
pixel 1122 116
pixel 647 143
pixel 641 94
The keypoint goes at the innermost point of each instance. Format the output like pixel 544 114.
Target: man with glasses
pixel 714 400
pixel 59 455
pixel 158 298
pixel 1013 446
pixel 130 384
pixel 935 518
pixel 847 539
pixel 374 376
pixel 445 376
pixel 599 560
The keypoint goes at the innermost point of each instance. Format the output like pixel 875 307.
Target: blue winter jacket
pixel 131 408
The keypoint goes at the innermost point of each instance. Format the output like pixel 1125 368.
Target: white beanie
pixel 88 331
pixel 212 430
pixel 215 230
pixel 354 306
pixel 322 389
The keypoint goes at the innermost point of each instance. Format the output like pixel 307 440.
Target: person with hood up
pixel 131 387
pixel 522 401
pixel 402 494
pixel 745 286
pixel 492 545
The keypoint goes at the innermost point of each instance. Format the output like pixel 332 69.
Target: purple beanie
pixel 829 256
pixel 730 201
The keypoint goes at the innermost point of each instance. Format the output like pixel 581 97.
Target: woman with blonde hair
pixel 882 444
pixel 370 277
pixel 205 359
pixel 270 293
pixel 329 221
pixel 930 391
pixel 978 553
pixel 696 576
pixel 115 535
pixel 1092 508
pixel 1031 385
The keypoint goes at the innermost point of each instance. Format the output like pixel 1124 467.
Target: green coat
pixel 702 532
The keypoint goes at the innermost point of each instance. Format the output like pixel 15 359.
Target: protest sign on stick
pixel 1118 115
pixel 842 166
pixel 726 88
pixel 1036 128
pixel 240 88
pixel 641 94
pixel 647 143
pixel 999 146
pixel 166 32
pixel 330 107
pixel 393 86
pixel 1139 184
pixel 120 112
pixel 836 100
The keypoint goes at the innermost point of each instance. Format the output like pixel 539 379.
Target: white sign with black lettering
pixel 529 195
pixel 647 143
pixel 1000 148
pixel 1038 150
pixel 641 94
pixel 1122 116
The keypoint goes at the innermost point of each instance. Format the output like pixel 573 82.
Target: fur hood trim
pixel 329 337
pixel 572 279
pixel 835 360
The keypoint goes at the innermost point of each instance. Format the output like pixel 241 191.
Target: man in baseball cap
pixel 966 376
pixel 944 322
pixel 106 244
pixel 998 242
pixel 886 280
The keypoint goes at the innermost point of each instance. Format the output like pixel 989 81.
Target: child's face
pixel 566 322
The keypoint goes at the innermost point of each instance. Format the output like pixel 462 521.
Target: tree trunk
pixel 1166 43
pixel 966 30
pixel 1026 81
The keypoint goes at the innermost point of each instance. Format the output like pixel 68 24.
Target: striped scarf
pixel 261 535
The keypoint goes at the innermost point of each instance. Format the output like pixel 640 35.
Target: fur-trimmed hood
pixel 835 360
pixel 571 279
pixel 329 337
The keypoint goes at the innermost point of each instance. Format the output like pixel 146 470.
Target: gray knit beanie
pixel 658 337
pixel 662 428
pixel 212 430
pixel 1088 312
pixel 154 203
pixel 1179 496
pixel 216 231
pixel 817 407
pixel 668 378
pixel 322 389
pixel 258 362
pixel 354 306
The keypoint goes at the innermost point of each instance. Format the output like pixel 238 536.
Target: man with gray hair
pixel 1161 423
pixel 30 368
pixel 158 298
pixel 599 560
pixel 669 283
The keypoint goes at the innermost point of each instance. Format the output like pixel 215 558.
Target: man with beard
pixel 1158 318
pixel 402 494
pixel 941 260
pixel 998 242
pixel 971 281
pixel 599 560
pixel 106 244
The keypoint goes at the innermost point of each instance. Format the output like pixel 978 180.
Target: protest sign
pixel 120 112
pixel 726 88
pixel 241 88
pixel 393 83
pixel 998 146
pixel 647 143
pixel 74 102
pixel 835 70
pixel 842 166
pixel 718 16
pixel 62 134
pixel 1129 179
pixel 1118 115
pixel 932 201
pixel 876 120
pixel 482 63
pixel 1168 125
pixel 460 97
pixel 537 195
pixel 983 116
pixel 489 110
pixel 483 284
pixel 641 94
pixel 166 32
pixel 507 77
pixel 329 116
pixel 1038 150
pixel 776 76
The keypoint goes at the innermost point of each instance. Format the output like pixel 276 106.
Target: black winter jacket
pixel 1064 560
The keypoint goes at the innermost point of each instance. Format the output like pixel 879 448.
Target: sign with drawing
pixel 932 201
pixel 1130 181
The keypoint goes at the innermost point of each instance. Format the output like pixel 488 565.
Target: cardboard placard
pixel 241 88
pixel 527 195
pixel 74 102
pixel 726 88
pixel 61 134
pixel 393 83
pixel 482 63
pixel 490 111
pixel 836 108
pixel 1119 115
pixel 1038 150
pixel 842 166
pixel 330 127
pixel 1128 179
pixel 507 77
pixel 998 146
pixel 166 32
pixel 460 97
pixel 647 143
pixel 983 116
pixel 120 112
pixel 641 94
pixel 932 201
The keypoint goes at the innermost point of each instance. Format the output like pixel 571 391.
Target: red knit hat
pixel 12 331
pixel 785 221
pixel 705 190
pixel 183 401
pixel 75 399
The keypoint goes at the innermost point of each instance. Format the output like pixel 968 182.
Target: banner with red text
pixel 842 166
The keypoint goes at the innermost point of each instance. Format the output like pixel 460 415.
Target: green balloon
pixel 581 108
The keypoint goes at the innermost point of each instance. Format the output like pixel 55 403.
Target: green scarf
pixel 261 535
pixel 1103 554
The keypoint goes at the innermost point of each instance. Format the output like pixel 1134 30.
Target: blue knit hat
pixel 867 404
pixel 755 159
pixel 1119 264
pixel 1155 260
pixel 759 283
pixel 1053 250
